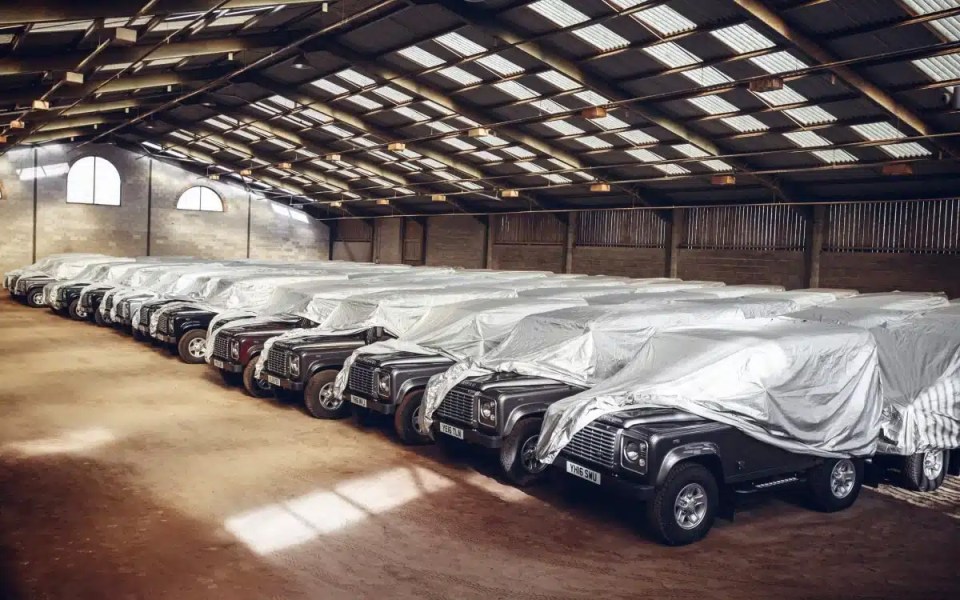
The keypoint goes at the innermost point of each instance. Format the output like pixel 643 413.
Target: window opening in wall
pixel 200 198
pixel 93 180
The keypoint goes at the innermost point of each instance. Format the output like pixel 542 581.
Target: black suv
pixel 185 329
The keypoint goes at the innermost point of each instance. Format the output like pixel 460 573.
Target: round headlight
pixel 631 451
pixel 294 362
pixel 235 349
pixel 488 411
pixel 383 383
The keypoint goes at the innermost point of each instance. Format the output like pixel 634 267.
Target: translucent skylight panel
pixel 442 174
pixel 266 108
pixel 317 116
pixel 780 97
pixel 644 155
pixel 563 127
pixel 382 155
pixel 593 142
pixel 584 176
pixel 549 106
pixel 413 115
pixel 337 131
pixel 807 139
pixel 601 37
pixel 156 62
pixel 610 122
pixel 364 142
pixel 246 135
pixel 465 121
pixel 382 181
pixel 277 171
pixel 259 131
pixel 905 150
pixel 559 80
pixel 324 164
pixel 810 115
pixel 493 141
pixel 182 135
pixel 460 76
pixel 459 44
pixel 519 152
pixel 295 121
pixel 707 76
pixel 878 131
pixel 940 68
pixel 329 87
pixel 637 137
pixel 175 153
pixel 487 156
pixel 742 38
pixel 206 146
pixel 440 110
pixel 779 62
pixel 441 127
pixel 62 26
pixel 458 144
pixel 561 13
pixel 592 98
pixel 281 143
pixel 469 185
pixel 432 164
pixel 745 123
pixel 517 90
pixel 392 94
pixel 529 166
pixel 115 66
pixel 671 169
pixel 673 55
pixel 834 156
pixel 691 150
pixel 716 165
pixel 404 190
pixel 500 65
pixel 557 179
pixel 364 102
pixel 283 101
pixel 664 20
pixel 421 57
pixel 713 105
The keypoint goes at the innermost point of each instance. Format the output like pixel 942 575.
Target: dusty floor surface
pixel 127 474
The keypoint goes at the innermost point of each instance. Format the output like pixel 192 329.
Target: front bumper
pixel 226 365
pixel 282 382
pixel 377 405
pixel 470 436
pixel 608 481
pixel 166 339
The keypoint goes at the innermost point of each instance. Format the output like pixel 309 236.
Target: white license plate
pixel 218 364
pixel 451 431
pixel 273 380
pixel 358 400
pixel 583 472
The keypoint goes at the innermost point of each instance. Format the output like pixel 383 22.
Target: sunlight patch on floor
pixel 70 442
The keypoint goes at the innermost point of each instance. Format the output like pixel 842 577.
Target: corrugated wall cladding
pixel 621 229
pixel 528 228
pixel 773 227
pixel 912 227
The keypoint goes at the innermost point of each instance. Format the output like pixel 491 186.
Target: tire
pixel 191 346
pixel 35 299
pixel 235 379
pixel 319 400
pixel 924 471
pixel 406 420
pixel 77 312
pixel 835 484
pixel 685 506
pixel 98 319
pixel 362 416
pixel 255 387
pixel 518 455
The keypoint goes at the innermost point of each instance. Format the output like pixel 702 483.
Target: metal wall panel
pixel 527 228
pixel 911 227
pixel 772 227
pixel 621 229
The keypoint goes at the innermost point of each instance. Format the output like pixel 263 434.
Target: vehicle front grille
pixel 163 324
pixel 221 346
pixel 361 379
pixel 144 316
pixel 108 303
pixel 458 405
pixel 277 361
pixel 594 444
pixel 124 309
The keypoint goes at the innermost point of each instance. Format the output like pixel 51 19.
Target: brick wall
pixel 773 267
pixel 126 229
pixel 625 262
pixel 353 251
pixel 529 257
pixel 456 241
pixel 870 272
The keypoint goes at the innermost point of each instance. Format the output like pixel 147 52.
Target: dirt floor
pixel 127 474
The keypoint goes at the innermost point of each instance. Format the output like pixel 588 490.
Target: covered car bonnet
pixel 458 331
pixel 579 346
pixel 772 304
pixel 805 387
pixel 870 310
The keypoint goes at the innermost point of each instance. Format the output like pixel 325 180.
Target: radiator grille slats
pixel 361 379
pixel 594 444
pixel 277 361
pixel 221 346
pixel 458 406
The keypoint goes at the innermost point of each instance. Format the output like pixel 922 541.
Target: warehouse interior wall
pixel 36 220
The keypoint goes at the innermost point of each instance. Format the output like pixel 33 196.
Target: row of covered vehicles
pixel 679 394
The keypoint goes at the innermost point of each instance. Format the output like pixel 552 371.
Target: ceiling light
pixel 396 146
pixel 300 62
pixel 594 112
pixel 17 124
pixel 723 180
pixel 766 84
pixel 246 172
pixel 509 193
pixel 383 202
pixel 41 105
pixel 332 157
pixel 215 177
pixel 479 132
pixel 123 36
pixel 600 187
pixel 438 198
pixel 71 78
pixel 3 139
pixel 285 165
pixel 897 169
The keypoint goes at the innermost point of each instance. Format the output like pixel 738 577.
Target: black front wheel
pixel 518 455
pixel 924 471
pixel 835 483
pixel 257 388
pixel 191 346
pixel 685 506
pixel 98 318
pixel 406 421
pixel 35 299
pixel 77 312
pixel 320 400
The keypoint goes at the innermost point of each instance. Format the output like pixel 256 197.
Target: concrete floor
pixel 127 474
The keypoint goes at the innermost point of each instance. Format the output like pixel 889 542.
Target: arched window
pixel 200 198
pixel 93 180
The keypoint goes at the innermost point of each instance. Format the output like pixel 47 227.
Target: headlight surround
pixel 633 454
pixel 383 383
pixel 293 364
pixel 487 411
pixel 235 349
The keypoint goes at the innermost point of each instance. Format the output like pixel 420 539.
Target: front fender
pixel 536 409
pixel 684 452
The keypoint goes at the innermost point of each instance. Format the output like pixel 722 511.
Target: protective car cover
pixel 93 272
pixel 579 346
pixel 395 311
pixel 871 310
pixel 461 330
pixel 806 387
pixel 771 304
pixel 47 264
